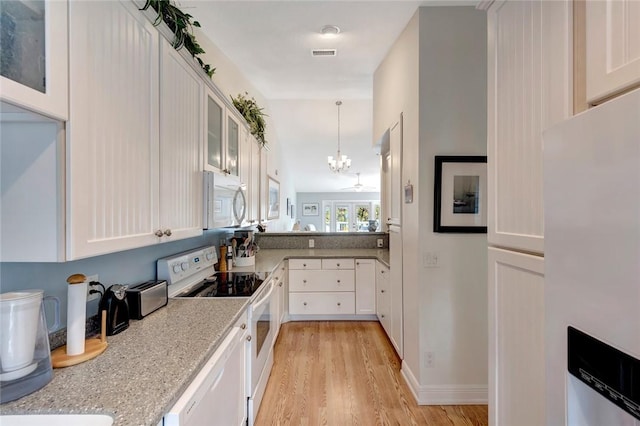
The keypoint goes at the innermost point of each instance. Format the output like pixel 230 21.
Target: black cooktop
pixel 227 284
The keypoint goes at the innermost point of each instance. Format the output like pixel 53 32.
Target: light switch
pixel 430 260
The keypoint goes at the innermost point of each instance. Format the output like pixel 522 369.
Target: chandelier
pixel 341 163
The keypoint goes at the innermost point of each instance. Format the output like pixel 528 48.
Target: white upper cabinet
pixel 613 47
pixel 529 89
pixel 33 58
pixel 214 160
pixel 223 136
pixel 181 146
pixel 112 133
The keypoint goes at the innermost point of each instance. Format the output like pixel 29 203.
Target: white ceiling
pixel 271 43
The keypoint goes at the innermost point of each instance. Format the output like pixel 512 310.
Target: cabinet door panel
pixel 365 286
pixel 305 264
pixel 180 146
pixel 321 303
pixel 529 89
pixel 613 47
pixel 337 263
pixel 113 129
pixel 320 280
pixel 516 338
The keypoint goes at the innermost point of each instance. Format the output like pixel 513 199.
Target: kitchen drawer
pixel 305 264
pixel 322 303
pixel 338 264
pixel 321 280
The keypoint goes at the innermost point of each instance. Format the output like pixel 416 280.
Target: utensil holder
pixel 246 261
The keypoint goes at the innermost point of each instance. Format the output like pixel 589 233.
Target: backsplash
pixel 321 240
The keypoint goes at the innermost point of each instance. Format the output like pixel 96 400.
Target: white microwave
pixel 224 201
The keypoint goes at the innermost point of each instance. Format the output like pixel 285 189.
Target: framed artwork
pixel 288 206
pixel 293 211
pixel 274 199
pixel 310 209
pixel 460 194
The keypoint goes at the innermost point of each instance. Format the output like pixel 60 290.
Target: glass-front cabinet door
pixel 233 138
pixel 215 110
pixel 34 56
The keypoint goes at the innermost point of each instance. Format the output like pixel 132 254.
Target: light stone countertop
pixel 147 367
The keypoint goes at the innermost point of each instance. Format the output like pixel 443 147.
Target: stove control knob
pixel 176 268
pixel 184 266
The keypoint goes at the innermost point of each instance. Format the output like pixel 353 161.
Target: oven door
pixel 263 325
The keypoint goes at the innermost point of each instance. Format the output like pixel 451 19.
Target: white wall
pixel 435 74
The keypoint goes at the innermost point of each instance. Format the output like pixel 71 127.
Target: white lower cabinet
pixel 365 286
pixel 516 339
pixel 383 297
pixel 332 287
pixel 219 390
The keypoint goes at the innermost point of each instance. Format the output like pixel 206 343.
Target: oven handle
pixel 255 305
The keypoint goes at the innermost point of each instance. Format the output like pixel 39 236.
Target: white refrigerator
pixel 592 263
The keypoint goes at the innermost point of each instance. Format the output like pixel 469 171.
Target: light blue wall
pixel 127 267
pixel 318 197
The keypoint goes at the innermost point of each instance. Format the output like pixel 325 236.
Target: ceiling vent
pixel 324 52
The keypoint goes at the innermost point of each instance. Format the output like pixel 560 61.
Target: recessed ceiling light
pixel 330 31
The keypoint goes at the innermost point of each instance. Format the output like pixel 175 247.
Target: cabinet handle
pixel 338 303
pixel 338 281
pixel 338 265
pixel 248 338
pixel 304 265
pixel 280 284
pixel 167 232
pixel 243 326
pixel 304 281
pixel 304 303
pixel 159 233
pixel 381 316
pixel 357 263
pixel 381 291
pixel 382 272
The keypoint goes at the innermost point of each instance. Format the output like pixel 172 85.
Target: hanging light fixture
pixel 341 163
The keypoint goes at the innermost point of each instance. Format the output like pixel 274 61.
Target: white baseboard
pixel 444 394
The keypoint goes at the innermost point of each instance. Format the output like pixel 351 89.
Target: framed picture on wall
pixel 310 209
pixel 293 211
pixel 288 206
pixel 460 194
pixel 274 199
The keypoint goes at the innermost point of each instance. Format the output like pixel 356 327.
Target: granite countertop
pixel 267 259
pixel 147 367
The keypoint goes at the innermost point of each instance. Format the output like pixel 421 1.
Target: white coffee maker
pixel 25 359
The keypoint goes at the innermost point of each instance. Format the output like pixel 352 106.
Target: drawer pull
pixel 280 284
pixel 249 338
pixel 382 316
pixel 338 281
pixel 304 303
pixel 243 326
pixel 382 272
pixel 381 291
pixel 304 265
pixel 304 281
pixel 338 265
pixel 338 303
pixel 358 263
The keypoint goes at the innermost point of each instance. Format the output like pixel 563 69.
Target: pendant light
pixel 341 163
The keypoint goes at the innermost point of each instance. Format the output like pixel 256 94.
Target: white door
pixel 613 47
pixel 181 142
pixel 516 339
pixel 395 288
pixel 112 133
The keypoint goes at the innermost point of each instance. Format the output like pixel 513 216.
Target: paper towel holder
pixel 92 346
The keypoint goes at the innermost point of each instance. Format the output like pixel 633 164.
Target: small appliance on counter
pixel 114 302
pixel 146 297
pixel 25 361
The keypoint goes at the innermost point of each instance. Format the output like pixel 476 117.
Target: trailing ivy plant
pixel 253 114
pixel 181 25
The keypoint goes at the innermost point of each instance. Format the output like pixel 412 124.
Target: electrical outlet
pixel 430 260
pixel 429 359
pixel 93 296
pixel 380 242
pixel 312 243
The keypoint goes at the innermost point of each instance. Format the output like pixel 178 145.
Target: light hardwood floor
pixel 346 373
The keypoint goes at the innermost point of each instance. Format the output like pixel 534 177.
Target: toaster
pixel 146 297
